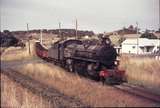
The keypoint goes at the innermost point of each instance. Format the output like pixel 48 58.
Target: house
pixel 140 46
pixel 157 34
pixel 131 36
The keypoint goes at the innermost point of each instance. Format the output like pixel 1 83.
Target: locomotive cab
pixel 58 49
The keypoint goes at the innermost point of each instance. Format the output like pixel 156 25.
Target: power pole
pixel 137 39
pixel 76 29
pixel 158 42
pixel 28 39
pixel 41 36
pixel 60 30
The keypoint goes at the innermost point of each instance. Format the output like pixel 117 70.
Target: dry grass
pixel 14 96
pixel 88 91
pixel 142 71
pixel 17 53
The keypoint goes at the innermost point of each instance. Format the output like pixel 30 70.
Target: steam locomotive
pixel 97 61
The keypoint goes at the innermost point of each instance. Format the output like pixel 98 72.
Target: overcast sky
pixel 96 15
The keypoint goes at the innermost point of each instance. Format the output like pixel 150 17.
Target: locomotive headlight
pixel 115 62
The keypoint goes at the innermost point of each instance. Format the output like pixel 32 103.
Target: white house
pixel 140 46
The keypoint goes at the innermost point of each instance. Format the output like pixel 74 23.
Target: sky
pixel 96 15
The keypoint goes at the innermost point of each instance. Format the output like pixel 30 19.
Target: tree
pixel 148 35
pixel 131 27
pixel 121 40
pixel 158 31
pixel 6 31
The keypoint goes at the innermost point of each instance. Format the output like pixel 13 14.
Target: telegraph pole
pixel 28 39
pixel 158 42
pixel 137 39
pixel 41 36
pixel 60 30
pixel 76 29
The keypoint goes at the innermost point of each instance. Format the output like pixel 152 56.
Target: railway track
pixel 138 91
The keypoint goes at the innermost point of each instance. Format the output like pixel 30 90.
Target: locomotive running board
pixel 83 59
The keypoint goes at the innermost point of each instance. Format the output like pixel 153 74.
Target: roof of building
pixel 141 42
pixel 157 34
pixel 132 35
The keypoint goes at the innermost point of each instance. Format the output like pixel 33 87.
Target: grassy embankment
pixel 17 53
pixel 14 96
pixel 142 71
pixel 90 92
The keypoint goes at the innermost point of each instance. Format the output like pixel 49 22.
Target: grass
pixel 86 90
pixel 142 71
pixel 95 94
pixel 14 96
pixel 17 53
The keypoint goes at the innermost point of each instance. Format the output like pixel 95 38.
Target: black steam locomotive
pixel 97 61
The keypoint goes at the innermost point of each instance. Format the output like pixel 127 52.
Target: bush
pixel 148 35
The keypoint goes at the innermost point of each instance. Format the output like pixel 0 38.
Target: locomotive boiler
pixel 97 61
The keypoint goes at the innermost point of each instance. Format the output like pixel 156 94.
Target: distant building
pixel 140 46
pixel 157 34
pixel 130 30
pixel 128 36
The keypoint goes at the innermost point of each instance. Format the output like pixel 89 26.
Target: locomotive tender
pixel 97 61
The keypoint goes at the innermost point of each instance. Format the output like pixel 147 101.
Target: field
pixel 13 95
pixel 144 72
pixel 141 71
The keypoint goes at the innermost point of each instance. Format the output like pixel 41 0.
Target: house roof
pixel 157 34
pixel 142 42
pixel 132 35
